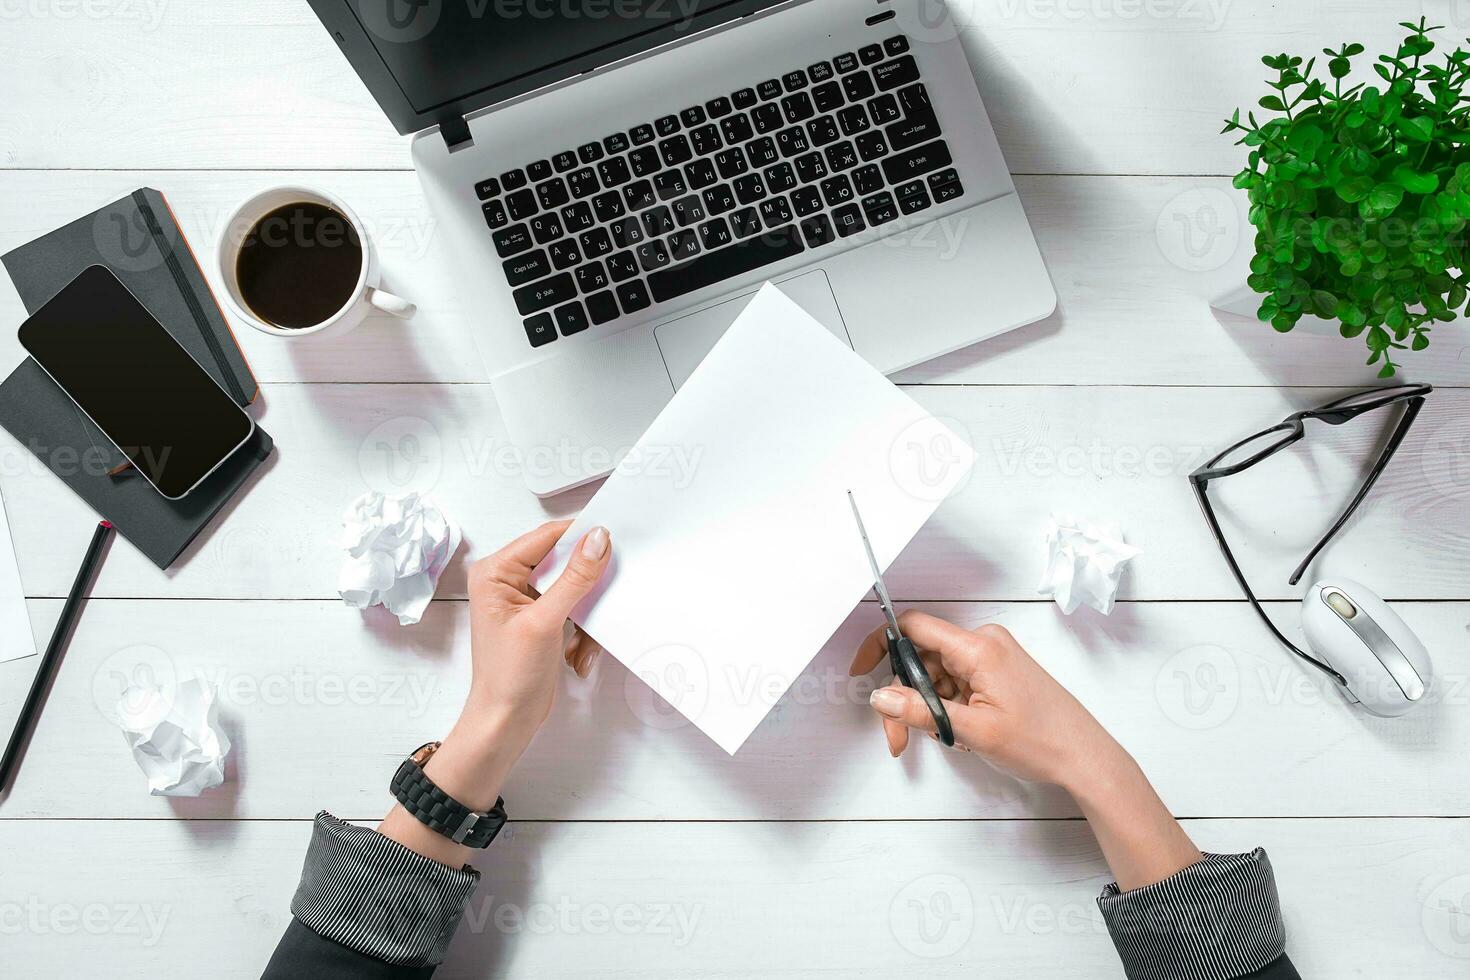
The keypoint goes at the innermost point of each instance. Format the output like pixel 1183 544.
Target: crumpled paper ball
pixel 175 736
pixel 397 547
pixel 1084 564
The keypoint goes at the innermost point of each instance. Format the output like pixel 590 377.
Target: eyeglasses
pixel 1267 443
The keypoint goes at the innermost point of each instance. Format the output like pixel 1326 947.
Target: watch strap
pixel 439 811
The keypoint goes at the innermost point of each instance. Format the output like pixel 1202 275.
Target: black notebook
pixel 139 240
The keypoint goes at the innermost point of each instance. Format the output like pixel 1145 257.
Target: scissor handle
pixel 910 671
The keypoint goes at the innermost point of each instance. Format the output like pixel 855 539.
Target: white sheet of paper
pixel 735 553
pixel 16 640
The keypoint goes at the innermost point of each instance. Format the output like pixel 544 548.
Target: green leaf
pixel 1385 197
pixel 1421 341
pixel 1323 303
pixel 1413 181
pixel 1355 189
pixel 1352 49
pixel 1388 369
pixel 1305 139
pixel 1271 102
pixel 1416 129
pixel 1340 67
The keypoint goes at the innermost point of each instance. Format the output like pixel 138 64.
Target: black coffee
pixel 299 265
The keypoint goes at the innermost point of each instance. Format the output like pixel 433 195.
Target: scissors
pixel 907 666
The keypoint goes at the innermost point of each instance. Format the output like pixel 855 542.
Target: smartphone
pixel 162 410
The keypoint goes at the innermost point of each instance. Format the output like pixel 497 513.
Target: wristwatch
pixel 439 811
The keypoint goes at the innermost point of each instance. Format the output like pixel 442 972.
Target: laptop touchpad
pixel 685 341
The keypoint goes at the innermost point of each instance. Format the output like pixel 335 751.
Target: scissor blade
pixel 878 587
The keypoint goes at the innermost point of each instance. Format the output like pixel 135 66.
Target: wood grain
pixel 634 901
pixel 321 702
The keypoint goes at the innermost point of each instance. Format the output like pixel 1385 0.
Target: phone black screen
pixel 152 399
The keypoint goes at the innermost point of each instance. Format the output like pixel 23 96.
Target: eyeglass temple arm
pixel 1412 412
pixel 1204 504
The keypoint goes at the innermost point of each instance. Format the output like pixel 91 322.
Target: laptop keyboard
pixel 718 190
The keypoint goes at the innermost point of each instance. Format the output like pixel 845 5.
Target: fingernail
pixel 595 544
pixel 887 702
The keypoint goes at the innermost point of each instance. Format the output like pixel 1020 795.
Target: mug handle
pixel 392 305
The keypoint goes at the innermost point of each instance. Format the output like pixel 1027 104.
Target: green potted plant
pixel 1360 193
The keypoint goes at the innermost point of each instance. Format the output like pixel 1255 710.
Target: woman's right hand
pixel 1002 703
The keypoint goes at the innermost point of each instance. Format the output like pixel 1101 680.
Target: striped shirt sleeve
pixel 1218 919
pixel 377 897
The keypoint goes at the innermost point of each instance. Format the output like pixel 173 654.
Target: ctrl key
pixel 540 330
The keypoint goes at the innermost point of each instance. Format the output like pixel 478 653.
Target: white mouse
pixel 1385 665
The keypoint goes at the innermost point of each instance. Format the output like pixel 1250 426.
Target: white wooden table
pixel 639 849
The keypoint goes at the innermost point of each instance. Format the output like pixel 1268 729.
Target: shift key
pixel 904 167
pixel 547 292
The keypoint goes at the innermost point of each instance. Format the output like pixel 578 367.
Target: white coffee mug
pixel 364 299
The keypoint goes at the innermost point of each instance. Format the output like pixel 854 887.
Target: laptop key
pixel 872 54
pixel 658 221
pixel 565 254
pixel 842 156
pixel 641 134
pixel 622 266
pixel 859 87
pixel 614 172
pixel 775 212
pixel 495 215
pixel 564 161
pixel 845 63
pixel 591 277
pixel 706 139
pixel 896 74
pixel 513 180
pixel 553 193
pixel 915 99
pixel 540 330
pixel 676 150
pixel 795 81
pixel 627 232
pixel 828 97
pixel 512 241
pixel 589 152
pixel 806 201
pixel 487 188
pixel 880 209
pixel 744 99
pixel 798 108
pixel 652 255
pixel 688 211
pixel 810 168
pixel 780 178
pixel 715 234
pixel 946 189
pixel 522 204
pixel 633 296
pixel 527 268
pixel 571 319
pixel 837 190
pixel 854 120
pixel 693 116
pixel 917 162
pixel 896 45
pixel 608 207
pixel 726 263
pixel 732 163
pixel 547 228
pixel 750 188
pixel 639 195
pixel 820 72
pixel 718 200
pixel 595 243
pixel 616 143
pixel 818 231
pixel 645 161
pixel 849 220
pixel 763 152
pixel 577 217
pixel 718 107
pixel 737 128
pixel 548 292
pixel 792 141
pixel 745 222
pixel 884 110
pixel 538 171
pixel 913 131
pixel 700 174
pixel 583 183
pixel 823 130
pixel 667 125
pixel 769 89
pixel 684 245
pixel 767 118
pixel 602 307
pixel 916 202
pixel 869 179
pixel 871 146
pixel 670 184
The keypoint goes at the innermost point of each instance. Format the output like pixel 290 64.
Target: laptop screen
pixel 444 51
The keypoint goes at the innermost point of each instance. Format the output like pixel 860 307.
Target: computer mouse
pixel 1385 665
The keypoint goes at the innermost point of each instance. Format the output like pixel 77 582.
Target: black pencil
pixel 52 658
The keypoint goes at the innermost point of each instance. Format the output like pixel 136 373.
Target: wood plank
pixel 1105 453
pixel 1136 262
pixel 625 901
pixel 1187 688
pixel 1100 87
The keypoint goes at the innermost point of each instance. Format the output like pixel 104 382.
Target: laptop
pixel 616 178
